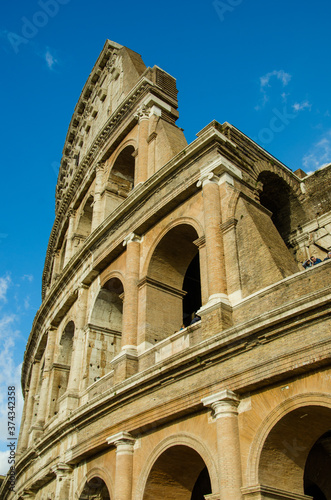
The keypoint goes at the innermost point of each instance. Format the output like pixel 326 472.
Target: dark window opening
pixel 192 287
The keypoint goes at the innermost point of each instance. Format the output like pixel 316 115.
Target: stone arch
pixel 178 447
pixel 287 176
pixel 122 171
pixel 62 367
pixel 279 452
pixel 173 261
pixel 84 223
pixel 96 482
pixel 181 220
pixel 104 330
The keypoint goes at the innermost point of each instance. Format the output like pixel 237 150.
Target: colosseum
pixel 181 350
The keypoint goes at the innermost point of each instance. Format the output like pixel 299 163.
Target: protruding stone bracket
pixel 224 403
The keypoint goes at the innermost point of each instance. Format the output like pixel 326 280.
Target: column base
pixel 125 364
pixel 216 315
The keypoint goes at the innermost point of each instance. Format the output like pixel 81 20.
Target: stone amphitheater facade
pixel 125 398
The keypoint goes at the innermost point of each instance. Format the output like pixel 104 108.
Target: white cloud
pixel 279 74
pixel 28 277
pixel 50 59
pixel 10 375
pixel 265 82
pixel 319 154
pixel 4 284
pixel 300 106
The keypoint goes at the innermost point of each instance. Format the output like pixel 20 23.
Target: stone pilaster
pixel 225 407
pixel 97 206
pixel 63 474
pixel 142 115
pixel 70 235
pixel 124 443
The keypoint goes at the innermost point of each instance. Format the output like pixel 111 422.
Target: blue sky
pixel 261 65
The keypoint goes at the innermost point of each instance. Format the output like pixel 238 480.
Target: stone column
pixel 37 427
pixel 130 306
pixel 56 264
pixel 29 404
pixel 225 404
pixel 126 363
pixel 63 481
pixel 76 369
pixel 97 205
pixel 217 289
pixel 141 169
pixel 70 235
pixel 124 443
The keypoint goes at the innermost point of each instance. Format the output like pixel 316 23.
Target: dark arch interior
pixel 122 173
pixel 317 478
pixel 202 486
pixel 297 452
pixel 95 489
pixel 192 287
pixel 179 473
pixel 277 196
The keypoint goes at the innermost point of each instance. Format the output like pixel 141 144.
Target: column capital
pixel 123 441
pixel 142 113
pixel 100 166
pixel 207 178
pixel 130 238
pixel 223 403
pixel 61 469
pixel 71 213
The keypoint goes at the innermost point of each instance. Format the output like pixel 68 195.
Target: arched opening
pixel 104 330
pixel 277 196
pixel 179 473
pixel 95 489
pixel 84 226
pixel 66 343
pixel 172 288
pixel 61 369
pixel 122 172
pixel 296 456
